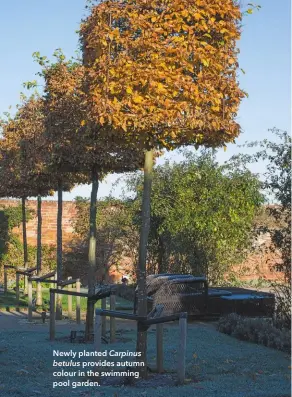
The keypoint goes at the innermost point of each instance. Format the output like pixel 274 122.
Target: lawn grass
pixel 9 300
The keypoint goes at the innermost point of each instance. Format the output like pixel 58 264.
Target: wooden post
pixel 24 239
pixel 103 318
pixel 17 291
pixel 181 368
pixel 91 253
pixel 39 298
pixel 69 300
pixel 5 279
pixel 53 278
pixel 59 312
pixel 29 291
pixel 97 333
pixel 112 319
pixel 141 344
pixel 59 249
pixel 78 302
pixel 52 316
pixel 159 347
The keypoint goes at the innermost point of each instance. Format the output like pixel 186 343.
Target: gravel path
pixel 217 365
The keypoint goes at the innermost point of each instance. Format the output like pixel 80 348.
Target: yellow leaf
pixel 129 90
pixel 160 87
pixel 224 148
pixel 101 120
pixel 215 108
pixel 83 122
pixel 137 98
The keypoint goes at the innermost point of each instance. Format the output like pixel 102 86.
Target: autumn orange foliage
pixel 22 150
pixel 164 70
pixel 78 143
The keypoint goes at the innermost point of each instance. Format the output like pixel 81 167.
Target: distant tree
pixel 11 217
pixel 201 215
pixel 276 154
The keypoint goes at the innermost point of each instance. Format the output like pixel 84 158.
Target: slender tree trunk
pixel 59 248
pixel 160 255
pixel 105 268
pixel 24 240
pixel 142 293
pixel 91 256
pixel 39 249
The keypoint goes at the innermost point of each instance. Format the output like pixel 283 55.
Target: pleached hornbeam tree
pixel 23 150
pixel 163 74
pixel 21 166
pixel 80 146
pixel 62 181
pixel 60 119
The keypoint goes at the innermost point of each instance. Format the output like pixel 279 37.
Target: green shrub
pixel 259 330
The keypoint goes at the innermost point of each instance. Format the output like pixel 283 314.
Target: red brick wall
pixel 49 220
pixel 256 266
pixel 260 265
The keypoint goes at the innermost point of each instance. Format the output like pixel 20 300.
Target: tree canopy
pixel 165 71
pixel 22 151
pixel 201 215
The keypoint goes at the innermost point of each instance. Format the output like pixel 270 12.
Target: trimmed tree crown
pixel 164 70
pixel 78 143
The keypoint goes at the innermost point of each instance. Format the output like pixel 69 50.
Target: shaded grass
pixel 9 300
